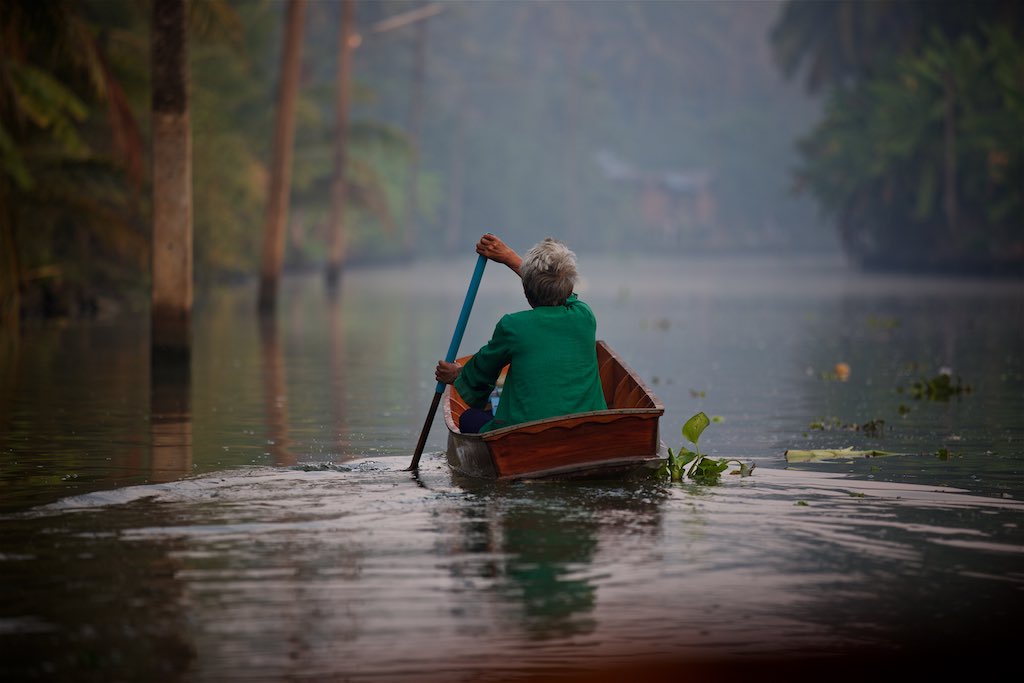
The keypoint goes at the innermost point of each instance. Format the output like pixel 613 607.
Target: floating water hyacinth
pixel 820 454
pixel 941 387
pixel 692 464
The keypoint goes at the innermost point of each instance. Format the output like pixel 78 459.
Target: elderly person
pixel 550 349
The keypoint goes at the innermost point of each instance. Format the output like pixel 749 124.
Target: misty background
pixel 632 126
pixel 888 132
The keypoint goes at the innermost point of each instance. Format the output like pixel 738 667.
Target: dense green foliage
pixel 919 156
pixel 70 152
pixel 74 117
pixel 505 108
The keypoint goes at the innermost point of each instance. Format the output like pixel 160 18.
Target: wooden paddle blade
pixel 423 434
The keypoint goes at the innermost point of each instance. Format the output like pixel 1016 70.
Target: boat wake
pixel 255 484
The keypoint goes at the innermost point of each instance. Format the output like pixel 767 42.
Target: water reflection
pixel 8 380
pixel 892 342
pixel 74 403
pixel 547 572
pixel 170 419
pixel 338 352
pixel 344 565
pixel 535 545
pixel 289 572
pixel 69 611
pixel 275 391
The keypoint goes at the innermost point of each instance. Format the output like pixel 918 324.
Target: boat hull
pixel 599 444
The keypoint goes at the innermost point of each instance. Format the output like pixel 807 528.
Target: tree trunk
pixel 171 309
pixel 339 187
pixel 281 163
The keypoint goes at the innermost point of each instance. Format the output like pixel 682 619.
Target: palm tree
pixel 55 72
pixel 838 41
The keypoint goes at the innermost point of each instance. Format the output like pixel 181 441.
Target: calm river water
pixel 251 520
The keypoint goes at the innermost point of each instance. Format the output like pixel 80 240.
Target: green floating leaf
pixel 663 471
pixel 746 469
pixel 685 457
pixel 695 426
pixel 817 455
pixel 716 466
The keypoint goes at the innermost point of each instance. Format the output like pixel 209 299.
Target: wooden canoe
pixel 597 444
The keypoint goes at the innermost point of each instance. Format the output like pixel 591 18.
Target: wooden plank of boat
pixel 596 444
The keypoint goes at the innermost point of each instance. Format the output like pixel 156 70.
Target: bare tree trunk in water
pixel 171 310
pixel 339 188
pixel 275 392
pixel 170 421
pixel 281 164
pixel 419 68
pixel 950 154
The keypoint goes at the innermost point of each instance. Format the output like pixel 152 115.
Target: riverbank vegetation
pixel 617 126
pixel 919 156
pixel 613 125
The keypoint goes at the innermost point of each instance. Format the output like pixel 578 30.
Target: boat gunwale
pixel 554 421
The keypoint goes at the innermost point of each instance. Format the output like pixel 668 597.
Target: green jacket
pixel 552 362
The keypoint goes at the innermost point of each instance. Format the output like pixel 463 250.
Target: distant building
pixel 677 207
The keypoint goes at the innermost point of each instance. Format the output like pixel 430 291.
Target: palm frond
pixel 47 103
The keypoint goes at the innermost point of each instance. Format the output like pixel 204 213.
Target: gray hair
pixel 549 273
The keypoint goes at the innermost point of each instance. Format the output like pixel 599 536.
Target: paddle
pixel 453 349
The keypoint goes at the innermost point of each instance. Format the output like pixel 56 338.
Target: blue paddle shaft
pixel 467 306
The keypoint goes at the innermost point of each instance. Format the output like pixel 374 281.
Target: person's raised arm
pixel 499 252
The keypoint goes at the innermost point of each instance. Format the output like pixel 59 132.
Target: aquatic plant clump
pixel 938 388
pixel 873 427
pixel 692 464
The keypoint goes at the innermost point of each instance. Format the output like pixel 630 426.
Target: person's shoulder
pixel 517 318
pixel 511 322
pixel 574 303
